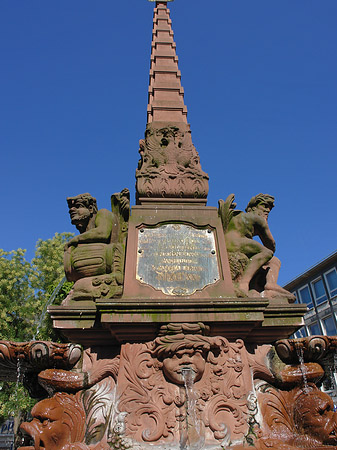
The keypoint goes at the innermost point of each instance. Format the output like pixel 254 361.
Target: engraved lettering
pixel 176 258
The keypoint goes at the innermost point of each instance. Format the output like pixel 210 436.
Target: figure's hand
pixel 72 243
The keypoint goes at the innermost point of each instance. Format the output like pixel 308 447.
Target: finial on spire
pixel 166 95
pixel 169 167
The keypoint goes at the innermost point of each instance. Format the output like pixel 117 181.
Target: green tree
pixel 25 290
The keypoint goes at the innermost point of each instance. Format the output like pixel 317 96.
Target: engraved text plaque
pixel 177 259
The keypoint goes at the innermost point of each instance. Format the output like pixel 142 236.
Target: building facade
pixel 317 288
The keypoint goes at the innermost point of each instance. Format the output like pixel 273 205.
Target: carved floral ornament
pixel 169 164
pixel 182 389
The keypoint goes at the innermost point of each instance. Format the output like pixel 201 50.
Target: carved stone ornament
pixel 140 398
pixel 183 390
pixel 312 348
pixel 301 418
pixel 36 356
pixel 94 259
pixel 169 164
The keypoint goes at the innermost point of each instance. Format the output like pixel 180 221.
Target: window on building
pixel 305 296
pixel 295 294
pixel 302 332
pixel 328 384
pixel 331 281
pixel 315 329
pixel 329 325
pixel 319 291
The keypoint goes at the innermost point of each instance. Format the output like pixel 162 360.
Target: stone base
pixel 255 320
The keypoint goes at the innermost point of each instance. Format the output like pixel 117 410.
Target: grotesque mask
pixel 314 416
pixel 57 422
pixel 183 360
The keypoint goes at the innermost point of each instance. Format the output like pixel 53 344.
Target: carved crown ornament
pixel 169 164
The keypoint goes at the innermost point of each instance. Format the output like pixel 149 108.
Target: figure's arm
pixel 101 232
pixel 263 232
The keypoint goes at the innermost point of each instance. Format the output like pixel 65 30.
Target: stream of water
pixel 193 439
pixel 48 303
pixel 299 351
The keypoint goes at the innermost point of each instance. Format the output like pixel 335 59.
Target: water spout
pixel 192 438
pixel 303 369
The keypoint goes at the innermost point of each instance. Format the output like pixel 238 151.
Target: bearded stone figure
pixel 94 259
pixel 254 267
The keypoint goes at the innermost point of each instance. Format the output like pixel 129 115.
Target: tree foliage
pixel 25 290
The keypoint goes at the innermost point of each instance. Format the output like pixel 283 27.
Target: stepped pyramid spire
pixel 169 167
pixel 166 96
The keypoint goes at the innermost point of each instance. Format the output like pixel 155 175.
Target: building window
pixel 295 294
pixel 319 291
pixel 315 329
pixel 302 332
pixel 305 296
pixel 329 325
pixel 331 281
pixel 328 384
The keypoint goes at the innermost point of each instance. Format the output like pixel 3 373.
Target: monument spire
pixel 169 167
pixel 166 95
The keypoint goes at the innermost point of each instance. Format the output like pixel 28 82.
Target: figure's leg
pixel 272 289
pixel 258 256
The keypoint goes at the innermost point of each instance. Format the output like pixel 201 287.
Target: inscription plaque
pixel 177 259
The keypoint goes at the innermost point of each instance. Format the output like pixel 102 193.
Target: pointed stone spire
pixel 169 167
pixel 166 96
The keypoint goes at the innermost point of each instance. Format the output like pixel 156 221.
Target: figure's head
pixel 262 204
pixel 180 352
pixel 81 209
pixel 57 421
pixel 314 416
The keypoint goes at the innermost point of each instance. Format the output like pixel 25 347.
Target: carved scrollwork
pixel 35 356
pixel 312 348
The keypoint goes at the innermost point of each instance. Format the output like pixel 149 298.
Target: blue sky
pixel 260 87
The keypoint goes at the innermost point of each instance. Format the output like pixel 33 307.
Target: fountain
pixel 178 329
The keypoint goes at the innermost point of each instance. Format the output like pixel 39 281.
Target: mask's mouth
pixel 30 430
pixel 333 435
pixel 188 372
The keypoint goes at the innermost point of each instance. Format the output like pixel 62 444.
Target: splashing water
pixel 48 303
pixel 299 351
pixel 194 440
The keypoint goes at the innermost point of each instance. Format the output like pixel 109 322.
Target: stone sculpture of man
pixel 93 225
pixel 248 256
pixel 94 259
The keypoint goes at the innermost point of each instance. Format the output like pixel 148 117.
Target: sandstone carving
pixel 94 259
pixel 35 356
pixel 57 423
pixel 185 390
pixel 301 418
pixel 254 267
pixel 169 164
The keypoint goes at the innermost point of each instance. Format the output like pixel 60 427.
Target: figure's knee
pixel 268 254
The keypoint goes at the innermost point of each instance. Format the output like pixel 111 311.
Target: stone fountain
pixel 178 329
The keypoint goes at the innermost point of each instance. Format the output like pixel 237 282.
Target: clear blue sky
pixel 260 87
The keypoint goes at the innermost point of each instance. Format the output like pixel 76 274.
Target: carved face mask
pixel 47 427
pixel 314 416
pixel 192 359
